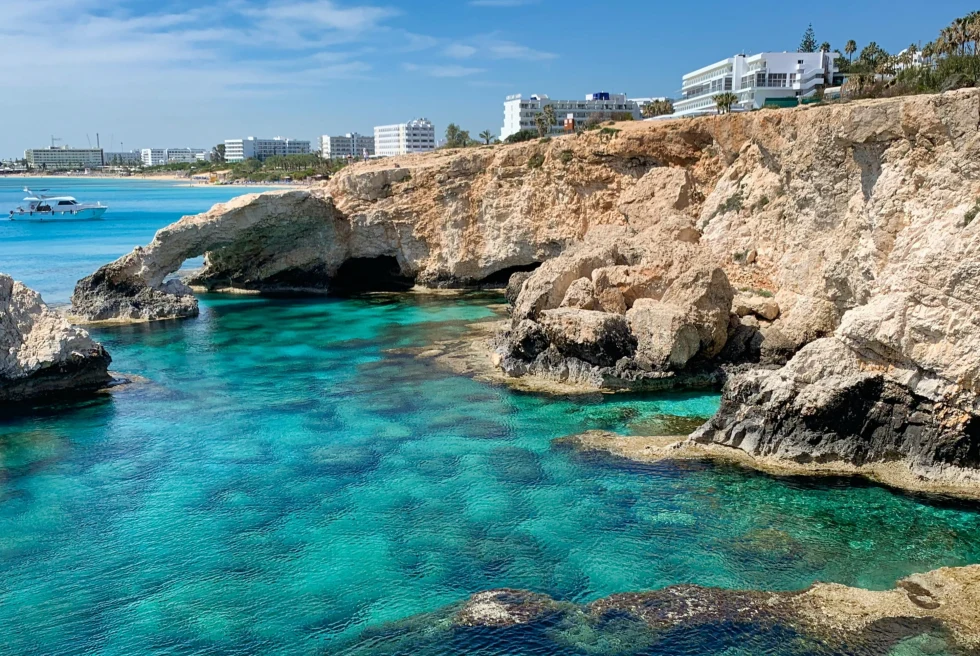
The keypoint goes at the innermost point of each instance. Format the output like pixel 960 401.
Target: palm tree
pixel 850 48
pixel 487 136
pixel 724 101
pixel 549 112
pixel 657 108
pixel 824 47
pixel 973 30
pixel 545 120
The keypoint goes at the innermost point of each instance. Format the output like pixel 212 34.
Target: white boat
pixel 56 208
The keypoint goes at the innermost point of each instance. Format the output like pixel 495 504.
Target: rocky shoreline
pixel 42 356
pixel 819 263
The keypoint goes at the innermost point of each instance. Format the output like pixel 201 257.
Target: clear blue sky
pixel 179 73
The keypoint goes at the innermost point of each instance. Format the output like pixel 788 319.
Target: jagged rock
pixel 528 340
pixel 599 338
pixel 547 286
pixel 828 404
pixel 41 354
pixel 514 286
pixel 705 290
pixel 746 304
pixel 665 336
pixel 655 195
pixel 580 295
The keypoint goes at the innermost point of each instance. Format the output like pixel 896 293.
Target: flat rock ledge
pixel 833 618
pixel 898 474
pixel 41 354
pixel 475 354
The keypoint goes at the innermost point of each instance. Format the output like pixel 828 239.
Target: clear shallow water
pixel 284 483
pixel 52 257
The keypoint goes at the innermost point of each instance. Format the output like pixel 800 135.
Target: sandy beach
pixel 162 177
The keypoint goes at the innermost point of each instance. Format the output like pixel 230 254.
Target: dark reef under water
pixel 288 480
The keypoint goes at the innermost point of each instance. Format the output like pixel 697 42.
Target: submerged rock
pixel 824 619
pixel 41 354
pixel 505 607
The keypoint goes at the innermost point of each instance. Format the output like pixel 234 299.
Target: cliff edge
pixel 822 260
pixel 41 354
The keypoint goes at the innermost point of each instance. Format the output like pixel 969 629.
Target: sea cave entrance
pixel 360 275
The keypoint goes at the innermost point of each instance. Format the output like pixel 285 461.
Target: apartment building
pixel 122 157
pixel 351 144
pixel 161 156
pixel 754 79
pixel 520 112
pixel 238 150
pixel 416 136
pixel 63 158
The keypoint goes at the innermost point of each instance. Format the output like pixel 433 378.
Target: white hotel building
pixel 239 150
pixel 755 79
pixel 351 144
pixel 418 136
pixel 63 158
pixel 519 112
pixel 161 156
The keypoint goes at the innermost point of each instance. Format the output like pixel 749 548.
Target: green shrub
pixel 762 203
pixel 971 214
pixel 740 257
pixel 764 293
pixel 523 135
pixel 609 131
pixel 732 204
pixel 566 156
pixel 544 140
pixel 536 161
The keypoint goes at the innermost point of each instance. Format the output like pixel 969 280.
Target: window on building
pixel 777 79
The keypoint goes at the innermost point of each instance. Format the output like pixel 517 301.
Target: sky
pixel 181 73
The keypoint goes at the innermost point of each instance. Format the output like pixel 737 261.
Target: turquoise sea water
pixel 285 479
pixel 55 255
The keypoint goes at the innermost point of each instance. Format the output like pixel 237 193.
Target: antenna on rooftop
pixel 53 139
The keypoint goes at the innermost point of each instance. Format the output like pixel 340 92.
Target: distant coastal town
pixel 813 73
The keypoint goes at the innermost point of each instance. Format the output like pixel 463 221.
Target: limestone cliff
pixel 41 354
pixel 669 248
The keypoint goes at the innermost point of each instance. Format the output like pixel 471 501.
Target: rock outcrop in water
pixel 824 619
pixel 41 354
pixel 839 239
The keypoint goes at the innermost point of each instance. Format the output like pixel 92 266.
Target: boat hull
pixel 85 214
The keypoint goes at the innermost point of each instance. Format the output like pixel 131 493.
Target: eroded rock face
pixel 844 222
pixel 276 240
pixel 598 338
pixel 828 404
pixel 41 354
pixel 622 310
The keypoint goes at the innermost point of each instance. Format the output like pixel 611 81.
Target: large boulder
pixel 41 354
pixel 830 405
pixel 666 336
pixel 548 285
pixel 599 338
